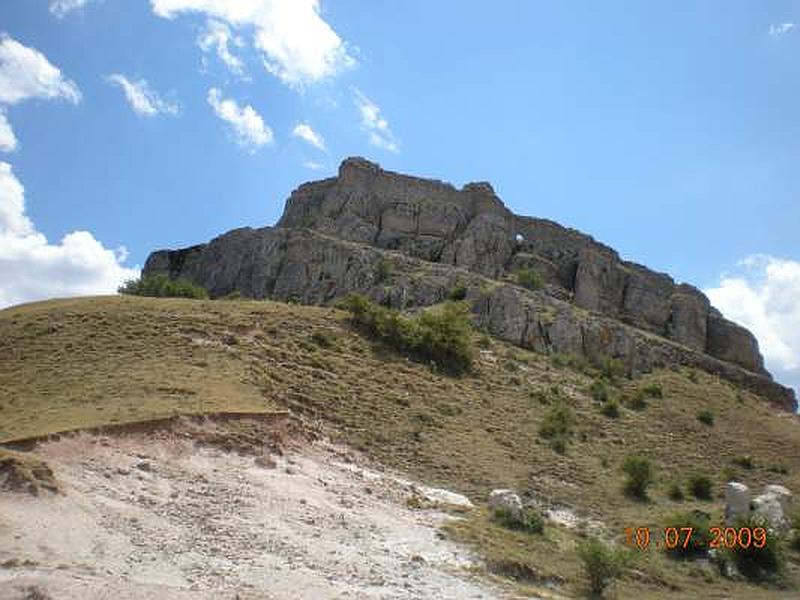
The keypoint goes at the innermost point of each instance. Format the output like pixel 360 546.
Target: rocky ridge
pixel 407 242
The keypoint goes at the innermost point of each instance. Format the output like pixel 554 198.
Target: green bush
pixel 557 426
pixel 532 520
pixel 161 286
pixel 675 492
pixel 529 279
pixel 322 338
pixel 610 408
pixel 599 390
pixel 640 475
pixel 760 563
pixel 459 292
pixel 611 368
pixel 700 486
pixel 383 270
pixel 653 390
pixel 745 461
pixel 638 401
pixel 706 417
pixel 442 335
pixel 778 469
pixel 602 564
pixel 697 544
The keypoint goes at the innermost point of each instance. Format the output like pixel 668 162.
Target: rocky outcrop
pixel 338 235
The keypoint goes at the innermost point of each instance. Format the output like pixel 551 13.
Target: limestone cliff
pixel 336 236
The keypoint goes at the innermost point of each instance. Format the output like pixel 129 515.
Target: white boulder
pixel 773 505
pixel 737 502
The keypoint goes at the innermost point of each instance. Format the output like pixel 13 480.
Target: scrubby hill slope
pixel 89 362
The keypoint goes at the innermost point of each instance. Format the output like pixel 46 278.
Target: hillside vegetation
pixel 555 429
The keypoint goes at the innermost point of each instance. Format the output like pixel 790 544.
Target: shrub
pixel 706 417
pixel 778 468
pixel 640 475
pixel 529 279
pixel 638 401
pixel 383 270
pixel 557 426
pixel 745 461
pixel 760 563
pixel 700 487
pixel 675 492
pixel 324 339
pixel 459 292
pixel 446 336
pixel 602 564
pixel 697 544
pixel 610 408
pixel 653 390
pixel 160 285
pixel 441 335
pixel 599 390
pixel 531 520
pixel 611 368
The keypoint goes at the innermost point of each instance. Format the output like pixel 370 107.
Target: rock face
pixel 336 237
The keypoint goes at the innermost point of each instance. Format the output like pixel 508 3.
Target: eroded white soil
pixel 144 518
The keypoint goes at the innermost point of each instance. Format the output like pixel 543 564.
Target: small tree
pixel 603 564
pixel 640 475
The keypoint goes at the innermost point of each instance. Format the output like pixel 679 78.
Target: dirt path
pixel 162 519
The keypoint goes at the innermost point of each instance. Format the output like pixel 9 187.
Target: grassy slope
pixel 71 363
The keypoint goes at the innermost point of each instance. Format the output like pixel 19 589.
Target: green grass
pixel 96 361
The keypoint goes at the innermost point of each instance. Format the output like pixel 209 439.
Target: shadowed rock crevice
pixel 407 241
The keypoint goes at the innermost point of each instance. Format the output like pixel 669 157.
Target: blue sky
pixel 668 130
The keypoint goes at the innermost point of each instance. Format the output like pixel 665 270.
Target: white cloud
pixel 8 141
pixel 33 269
pixel 765 298
pixel 376 126
pixel 26 73
pixel 218 36
pixel 61 8
pixel 143 100
pixel 314 166
pixel 307 134
pixel 296 44
pixel 247 124
pixel 780 29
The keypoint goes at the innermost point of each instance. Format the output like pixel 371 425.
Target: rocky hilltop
pixel 408 242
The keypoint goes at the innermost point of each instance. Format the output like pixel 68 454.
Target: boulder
pixel 737 502
pixel 773 505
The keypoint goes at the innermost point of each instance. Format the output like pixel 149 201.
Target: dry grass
pixel 73 363
pixel 20 472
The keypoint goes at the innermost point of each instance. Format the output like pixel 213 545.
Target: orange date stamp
pixel 682 538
